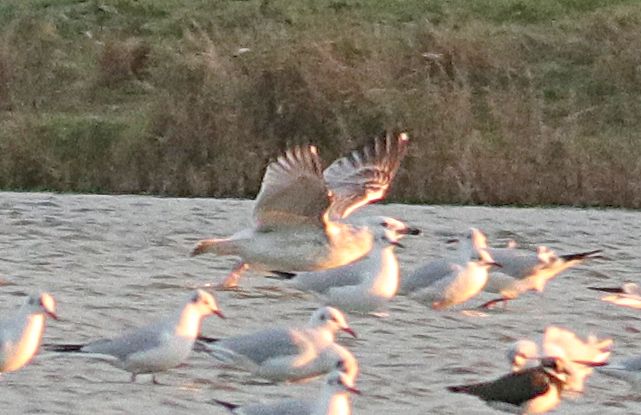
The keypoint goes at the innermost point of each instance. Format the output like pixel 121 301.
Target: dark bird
pixel 536 390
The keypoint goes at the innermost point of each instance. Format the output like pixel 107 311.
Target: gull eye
pixel 340 365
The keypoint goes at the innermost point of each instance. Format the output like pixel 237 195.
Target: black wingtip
pixel 206 339
pixel 281 275
pixel 581 255
pixel 617 290
pixel 230 406
pixel 63 347
pixel 456 389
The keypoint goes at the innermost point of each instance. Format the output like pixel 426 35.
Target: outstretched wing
pixel 293 191
pixel 364 176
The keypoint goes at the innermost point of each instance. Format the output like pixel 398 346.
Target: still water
pixel 115 262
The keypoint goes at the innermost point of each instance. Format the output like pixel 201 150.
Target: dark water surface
pixel 114 262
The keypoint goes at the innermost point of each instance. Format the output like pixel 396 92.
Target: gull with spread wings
pixel 299 211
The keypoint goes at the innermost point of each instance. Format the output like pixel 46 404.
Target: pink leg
pixel 231 281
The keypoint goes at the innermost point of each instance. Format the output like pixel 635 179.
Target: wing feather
pixel 293 191
pixel 364 176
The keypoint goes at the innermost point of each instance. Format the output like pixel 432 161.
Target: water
pixel 114 262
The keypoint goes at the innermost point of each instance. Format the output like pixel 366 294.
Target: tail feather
pixel 230 406
pixel 63 347
pixel 581 255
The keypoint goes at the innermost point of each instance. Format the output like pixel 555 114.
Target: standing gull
pixel 288 354
pixel 461 284
pixel 21 333
pixel 154 348
pixel 366 285
pixel 424 275
pixel 298 212
pixel 333 400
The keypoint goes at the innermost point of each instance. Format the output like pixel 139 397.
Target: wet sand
pixel 114 262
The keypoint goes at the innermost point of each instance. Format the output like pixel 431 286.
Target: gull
pixel 524 270
pixel 461 284
pixel 426 274
pixel 563 344
pixel 288 354
pixel 333 400
pixel 21 333
pixel 533 390
pixel 299 211
pixel 628 369
pixel 365 285
pixel 628 295
pixel 156 347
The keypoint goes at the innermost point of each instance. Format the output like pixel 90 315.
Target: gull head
pixel 332 318
pixel 470 243
pixel 343 360
pixel 341 382
pixel 485 259
pixel 205 303
pixel 520 354
pixel 556 368
pixel 546 255
pixel 476 239
pixel 631 288
pixel 388 231
pixel 42 303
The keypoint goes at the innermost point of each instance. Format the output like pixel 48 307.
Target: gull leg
pixel 231 281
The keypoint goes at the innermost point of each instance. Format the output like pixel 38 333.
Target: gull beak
pixel 452 241
pixel 52 314
pixel 219 313
pixel 349 331
pixel 410 231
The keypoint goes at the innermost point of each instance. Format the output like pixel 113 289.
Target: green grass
pixel 508 102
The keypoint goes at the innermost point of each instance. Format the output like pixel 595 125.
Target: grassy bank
pixel 508 101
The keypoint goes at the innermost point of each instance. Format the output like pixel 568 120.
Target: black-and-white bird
pixel 156 347
pixel 535 390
